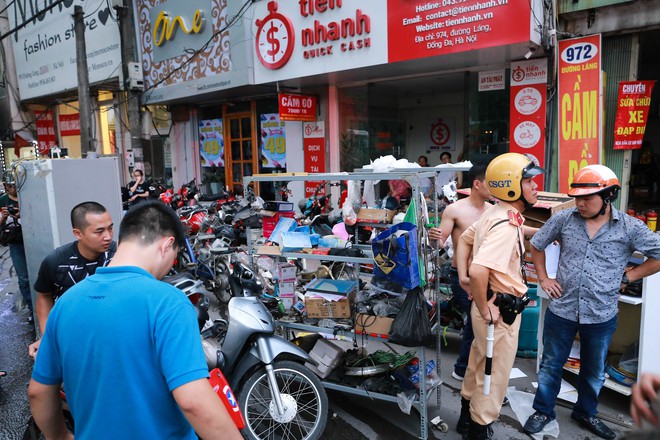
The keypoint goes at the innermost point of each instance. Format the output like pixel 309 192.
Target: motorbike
pixel 278 396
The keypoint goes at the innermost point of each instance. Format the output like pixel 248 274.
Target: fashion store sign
pixel 307 37
pixel 45 47
pixel 177 27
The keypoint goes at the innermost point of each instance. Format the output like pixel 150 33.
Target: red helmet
pixel 593 179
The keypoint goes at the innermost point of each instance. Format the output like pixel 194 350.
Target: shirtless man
pixel 456 218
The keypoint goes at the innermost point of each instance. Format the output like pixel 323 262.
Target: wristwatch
pixel 624 279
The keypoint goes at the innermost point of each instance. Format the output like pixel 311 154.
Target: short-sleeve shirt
pixel 65 267
pixel 141 189
pixel 498 245
pixel 590 269
pixel 121 342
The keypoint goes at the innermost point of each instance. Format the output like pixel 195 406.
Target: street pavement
pixel 350 417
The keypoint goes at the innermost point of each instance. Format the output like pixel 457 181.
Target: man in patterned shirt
pixel 597 242
pixel 73 262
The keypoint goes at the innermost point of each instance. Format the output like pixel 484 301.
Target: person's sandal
pixel 3 373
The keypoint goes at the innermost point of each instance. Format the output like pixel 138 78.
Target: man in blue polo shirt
pixel 127 348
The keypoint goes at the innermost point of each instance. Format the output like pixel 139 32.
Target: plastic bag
pixel 411 327
pixel 396 256
pixel 352 203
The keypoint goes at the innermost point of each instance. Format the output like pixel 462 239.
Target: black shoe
pixel 596 426
pixel 463 425
pixel 536 423
pixel 505 401
pixel 479 432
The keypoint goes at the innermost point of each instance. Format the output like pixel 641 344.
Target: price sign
pixel 273 141
pixel 211 143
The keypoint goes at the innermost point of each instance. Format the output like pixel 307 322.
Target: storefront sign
pixel 69 124
pixel 211 143
pixel 314 150
pixel 273 141
pixel 528 110
pixel 177 26
pixel 491 80
pixel 579 92
pixel 307 37
pixel 45 131
pixel 44 44
pixel 422 28
pixel 174 69
pixel 631 114
pixel 297 107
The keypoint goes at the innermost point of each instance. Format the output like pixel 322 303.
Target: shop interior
pixel 428 115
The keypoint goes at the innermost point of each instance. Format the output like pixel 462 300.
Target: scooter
pixel 278 396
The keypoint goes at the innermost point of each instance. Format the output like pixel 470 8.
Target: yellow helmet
pixel 505 173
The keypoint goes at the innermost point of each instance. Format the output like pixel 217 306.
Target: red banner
pixel 527 112
pixel 579 93
pixel 632 112
pixel 419 28
pixel 314 150
pixel 45 131
pixel 297 107
pixel 70 125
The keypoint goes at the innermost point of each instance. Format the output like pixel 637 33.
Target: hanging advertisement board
pixel 632 112
pixel 314 150
pixel 273 141
pixel 294 107
pixel 45 131
pixel 211 143
pixel 580 106
pixel 528 109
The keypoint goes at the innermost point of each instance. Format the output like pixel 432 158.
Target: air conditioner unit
pixel 135 76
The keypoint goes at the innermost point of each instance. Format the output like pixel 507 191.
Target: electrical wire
pixel 95 10
pixel 31 19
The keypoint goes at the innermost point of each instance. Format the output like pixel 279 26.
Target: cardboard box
pixel 287 288
pixel 327 356
pixel 321 308
pixel 375 215
pixel 287 272
pixel 288 302
pixel 547 204
pixel 378 326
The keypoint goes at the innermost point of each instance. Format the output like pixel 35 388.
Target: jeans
pixel 464 303
pixel 558 336
pixel 17 254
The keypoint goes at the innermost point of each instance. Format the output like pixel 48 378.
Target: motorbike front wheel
pixel 303 397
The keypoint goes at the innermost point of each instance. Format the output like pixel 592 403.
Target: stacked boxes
pixel 287 284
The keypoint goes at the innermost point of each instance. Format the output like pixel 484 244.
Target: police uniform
pixel 497 243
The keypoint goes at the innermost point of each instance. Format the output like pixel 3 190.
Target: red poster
pixel 632 112
pixel 45 131
pixel 579 93
pixel 528 107
pixel 314 150
pixel 70 125
pixel 419 28
pixel 297 107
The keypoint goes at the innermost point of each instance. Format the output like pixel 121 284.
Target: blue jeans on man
pixel 17 254
pixel 462 300
pixel 558 336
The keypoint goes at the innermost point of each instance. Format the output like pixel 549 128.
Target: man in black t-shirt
pixel 73 262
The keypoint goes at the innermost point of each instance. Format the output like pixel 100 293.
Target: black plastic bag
pixel 411 327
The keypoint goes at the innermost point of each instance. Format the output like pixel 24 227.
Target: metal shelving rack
pixel 413 176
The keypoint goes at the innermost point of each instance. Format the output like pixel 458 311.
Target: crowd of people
pixel 101 308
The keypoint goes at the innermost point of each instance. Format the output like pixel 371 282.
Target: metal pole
pixel 129 55
pixel 84 101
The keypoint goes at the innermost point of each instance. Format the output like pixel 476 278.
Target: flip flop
pixel 3 373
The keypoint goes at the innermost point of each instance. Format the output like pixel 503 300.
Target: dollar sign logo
pixel 274 42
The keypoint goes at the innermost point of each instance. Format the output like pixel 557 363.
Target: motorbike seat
pixel 223 250
pixel 213 198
